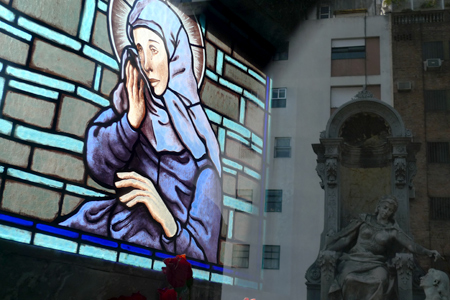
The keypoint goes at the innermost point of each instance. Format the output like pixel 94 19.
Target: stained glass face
pixel 97 160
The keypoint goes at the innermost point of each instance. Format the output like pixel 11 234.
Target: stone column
pixel 404 263
pixel 327 262
pixel 400 179
pixel 331 185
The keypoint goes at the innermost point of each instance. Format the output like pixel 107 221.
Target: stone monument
pixel 364 153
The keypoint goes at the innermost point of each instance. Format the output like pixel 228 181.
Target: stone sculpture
pixel 435 284
pixel 367 245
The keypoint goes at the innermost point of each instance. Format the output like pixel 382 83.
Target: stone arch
pixel 369 105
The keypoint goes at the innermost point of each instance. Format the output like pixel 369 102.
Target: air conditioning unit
pixel 432 63
pixel 403 86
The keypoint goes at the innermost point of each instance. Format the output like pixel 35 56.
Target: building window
pixel 279 97
pixel 432 50
pixel 282 52
pixel 438 152
pixel 246 194
pixel 436 100
pixel 274 200
pixel 240 256
pixel 283 147
pixel 348 52
pixel 440 208
pixel 271 257
pixel 324 12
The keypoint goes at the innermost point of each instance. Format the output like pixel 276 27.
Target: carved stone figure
pixel 367 245
pixel 435 284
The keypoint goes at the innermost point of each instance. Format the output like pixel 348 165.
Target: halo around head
pixel 118 11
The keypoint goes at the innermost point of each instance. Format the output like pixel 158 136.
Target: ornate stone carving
pixel 332 171
pixel 364 94
pixel 404 263
pixel 313 273
pixel 327 262
pixel 320 169
pixel 400 172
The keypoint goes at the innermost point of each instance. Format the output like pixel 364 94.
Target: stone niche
pixel 364 153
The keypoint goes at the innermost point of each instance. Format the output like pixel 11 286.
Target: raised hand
pixel 145 192
pixel 436 255
pixel 136 100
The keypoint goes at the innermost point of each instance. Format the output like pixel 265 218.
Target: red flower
pixel 167 294
pixel 178 271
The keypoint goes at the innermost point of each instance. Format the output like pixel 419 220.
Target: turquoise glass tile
pixel 48 139
pixel 237 127
pixel 56 243
pixel 257 140
pixel 252 173
pixel 135 260
pixel 242 111
pixel 221 279
pixel 230 171
pixel 14 31
pixel 87 20
pixel 257 76
pixel 237 204
pixel 40 79
pixel 49 34
pixel 83 191
pixel 6 14
pixel 158 265
pixel 100 57
pixel 92 96
pixel 238 137
pixel 102 6
pixel 211 75
pixel 5 127
pixel 34 89
pixel 221 138
pixel 255 99
pixel 257 149
pixel 219 62
pixel 15 234
pixel 232 163
pixel 200 274
pixel 97 252
pixel 98 75
pixel 34 178
pixel 231 86
pixel 230 224
pixel 235 62
pixel 213 116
